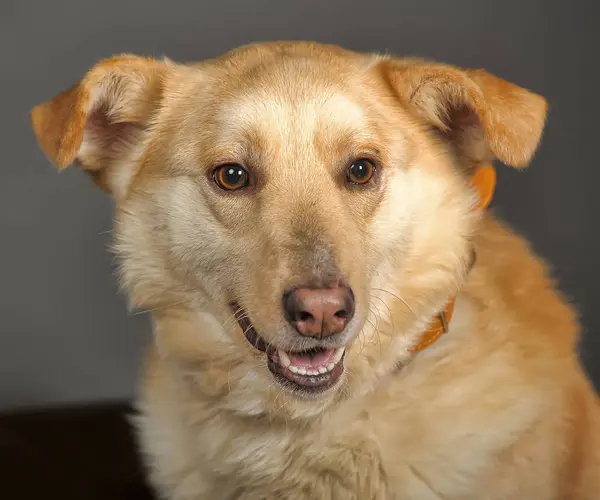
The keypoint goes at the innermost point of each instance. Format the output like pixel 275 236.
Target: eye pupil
pixel 231 177
pixel 360 172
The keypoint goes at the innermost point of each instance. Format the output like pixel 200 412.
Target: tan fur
pixel 498 408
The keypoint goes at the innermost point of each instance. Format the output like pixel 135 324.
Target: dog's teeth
pixel 285 362
pixel 339 352
pixel 284 359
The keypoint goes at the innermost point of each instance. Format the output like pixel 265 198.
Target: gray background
pixel 65 335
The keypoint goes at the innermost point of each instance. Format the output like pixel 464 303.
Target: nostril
pixel 305 316
pixel 342 314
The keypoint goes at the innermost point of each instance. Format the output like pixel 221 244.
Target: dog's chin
pixel 307 373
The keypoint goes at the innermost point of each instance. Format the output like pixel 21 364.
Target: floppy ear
pixel 101 122
pixel 482 115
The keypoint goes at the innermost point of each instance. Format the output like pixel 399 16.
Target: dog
pixel 336 313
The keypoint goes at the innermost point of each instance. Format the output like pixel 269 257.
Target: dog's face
pixel 294 214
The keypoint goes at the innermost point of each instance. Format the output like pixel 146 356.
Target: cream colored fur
pixel 499 408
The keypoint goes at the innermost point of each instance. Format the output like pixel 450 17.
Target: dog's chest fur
pixel 413 438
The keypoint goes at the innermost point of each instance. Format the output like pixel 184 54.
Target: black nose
pixel 319 312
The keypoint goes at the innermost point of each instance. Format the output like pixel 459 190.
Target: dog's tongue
pixel 320 358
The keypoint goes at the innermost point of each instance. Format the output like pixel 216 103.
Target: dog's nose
pixel 319 312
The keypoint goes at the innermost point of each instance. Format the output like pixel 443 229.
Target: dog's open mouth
pixel 312 371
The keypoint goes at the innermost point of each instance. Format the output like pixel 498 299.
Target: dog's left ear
pixel 101 122
pixel 480 113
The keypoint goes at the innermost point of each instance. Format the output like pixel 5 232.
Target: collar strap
pixel 437 327
pixel 484 182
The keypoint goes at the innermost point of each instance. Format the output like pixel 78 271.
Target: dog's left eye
pixel 360 171
pixel 231 177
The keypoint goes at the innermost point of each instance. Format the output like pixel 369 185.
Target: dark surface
pixel 78 453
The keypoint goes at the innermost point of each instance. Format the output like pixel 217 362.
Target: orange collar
pixel 484 182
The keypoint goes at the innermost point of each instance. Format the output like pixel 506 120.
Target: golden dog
pixel 336 315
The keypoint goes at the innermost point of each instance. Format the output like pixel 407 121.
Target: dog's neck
pixel 484 182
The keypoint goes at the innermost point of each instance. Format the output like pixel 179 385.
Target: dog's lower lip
pixel 308 378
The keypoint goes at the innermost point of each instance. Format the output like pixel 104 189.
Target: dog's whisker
pixel 232 317
pixel 229 379
pixel 390 315
pixel 361 336
pixel 363 342
pixel 376 313
pixel 397 298
pixel 159 308
pixel 279 394
pixel 378 337
pixel 377 332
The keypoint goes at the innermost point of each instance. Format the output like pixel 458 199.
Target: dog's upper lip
pixel 249 332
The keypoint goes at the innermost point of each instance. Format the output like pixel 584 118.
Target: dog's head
pixel 293 213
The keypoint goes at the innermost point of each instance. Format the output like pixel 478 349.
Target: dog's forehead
pixel 277 112
pixel 293 103
pixel 271 115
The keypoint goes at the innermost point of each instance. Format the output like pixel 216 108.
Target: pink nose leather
pixel 320 312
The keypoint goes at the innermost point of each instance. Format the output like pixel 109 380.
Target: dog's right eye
pixel 231 177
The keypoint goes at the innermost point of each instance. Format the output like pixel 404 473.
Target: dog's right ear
pixel 101 122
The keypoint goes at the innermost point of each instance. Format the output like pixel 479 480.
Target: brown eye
pixel 231 177
pixel 360 172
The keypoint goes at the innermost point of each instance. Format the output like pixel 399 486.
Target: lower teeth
pixel 285 362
